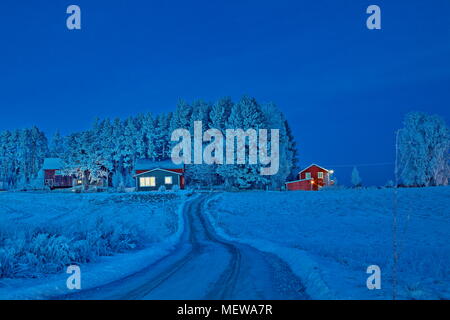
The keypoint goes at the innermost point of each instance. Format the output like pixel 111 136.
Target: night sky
pixel 345 89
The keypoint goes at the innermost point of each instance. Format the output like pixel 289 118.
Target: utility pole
pixel 394 223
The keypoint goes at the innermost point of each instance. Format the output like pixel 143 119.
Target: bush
pixel 40 244
pixel 389 184
pixel 47 251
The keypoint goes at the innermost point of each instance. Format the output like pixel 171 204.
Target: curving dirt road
pixel 204 266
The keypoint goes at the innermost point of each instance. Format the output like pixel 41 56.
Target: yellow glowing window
pixel 147 181
pixel 168 180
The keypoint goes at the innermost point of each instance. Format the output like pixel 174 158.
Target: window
pixel 147 182
pixel 320 175
pixel 168 180
pixel 308 175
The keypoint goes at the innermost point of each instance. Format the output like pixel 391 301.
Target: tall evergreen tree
pixel 220 112
pixel 56 148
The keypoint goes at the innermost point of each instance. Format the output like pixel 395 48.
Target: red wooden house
pixel 151 175
pixel 312 178
pixel 54 177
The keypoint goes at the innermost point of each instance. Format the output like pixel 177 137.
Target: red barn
pixel 53 175
pixel 311 178
pixel 151 175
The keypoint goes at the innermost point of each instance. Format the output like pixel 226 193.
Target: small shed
pixel 151 175
pixel 154 179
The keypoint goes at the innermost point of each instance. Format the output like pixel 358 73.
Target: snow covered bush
pixel 423 150
pixel 389 184
pixel 162 189
pixel 356 179
pixel 43 233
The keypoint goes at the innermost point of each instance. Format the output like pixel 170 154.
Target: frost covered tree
pixel 8 161
pixel 181 118
pixel 146 137
pixel 161 137
pixel 128 144
pixel 356 179
pixel 32 149
pixel 56 147
pixel 292 149
pixel 423 150
pixel 200 174
pixel 84 157
pixel 22 153
pixel 218 117
pixel 288 154
pixel 106 142
pixel 246 114
pixel 220 112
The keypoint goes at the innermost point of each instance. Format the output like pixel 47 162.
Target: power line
pixel 360 165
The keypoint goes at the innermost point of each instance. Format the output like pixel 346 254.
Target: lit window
pixel 320 175
pixel 147 182
pixel 168 180
pixel 308 175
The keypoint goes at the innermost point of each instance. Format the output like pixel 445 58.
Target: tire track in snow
pixel 203 266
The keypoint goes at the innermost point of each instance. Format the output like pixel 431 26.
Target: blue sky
pixel 344 88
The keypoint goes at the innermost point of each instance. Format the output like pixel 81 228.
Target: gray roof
pixel 157 169
pixel 53 164
pixel 146 164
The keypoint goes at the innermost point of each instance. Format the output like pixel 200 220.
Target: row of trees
pixel 109 149
pixel 114 146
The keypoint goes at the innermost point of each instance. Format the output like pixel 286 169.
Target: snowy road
pixel 204 266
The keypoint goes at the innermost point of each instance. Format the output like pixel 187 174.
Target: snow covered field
pixel 41 233
pixel 329 238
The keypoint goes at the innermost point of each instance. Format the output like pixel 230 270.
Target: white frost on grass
pixel 111 226
pixel 330 238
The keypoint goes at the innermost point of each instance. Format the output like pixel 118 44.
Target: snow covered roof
pixel 146 164
pixel 53 164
